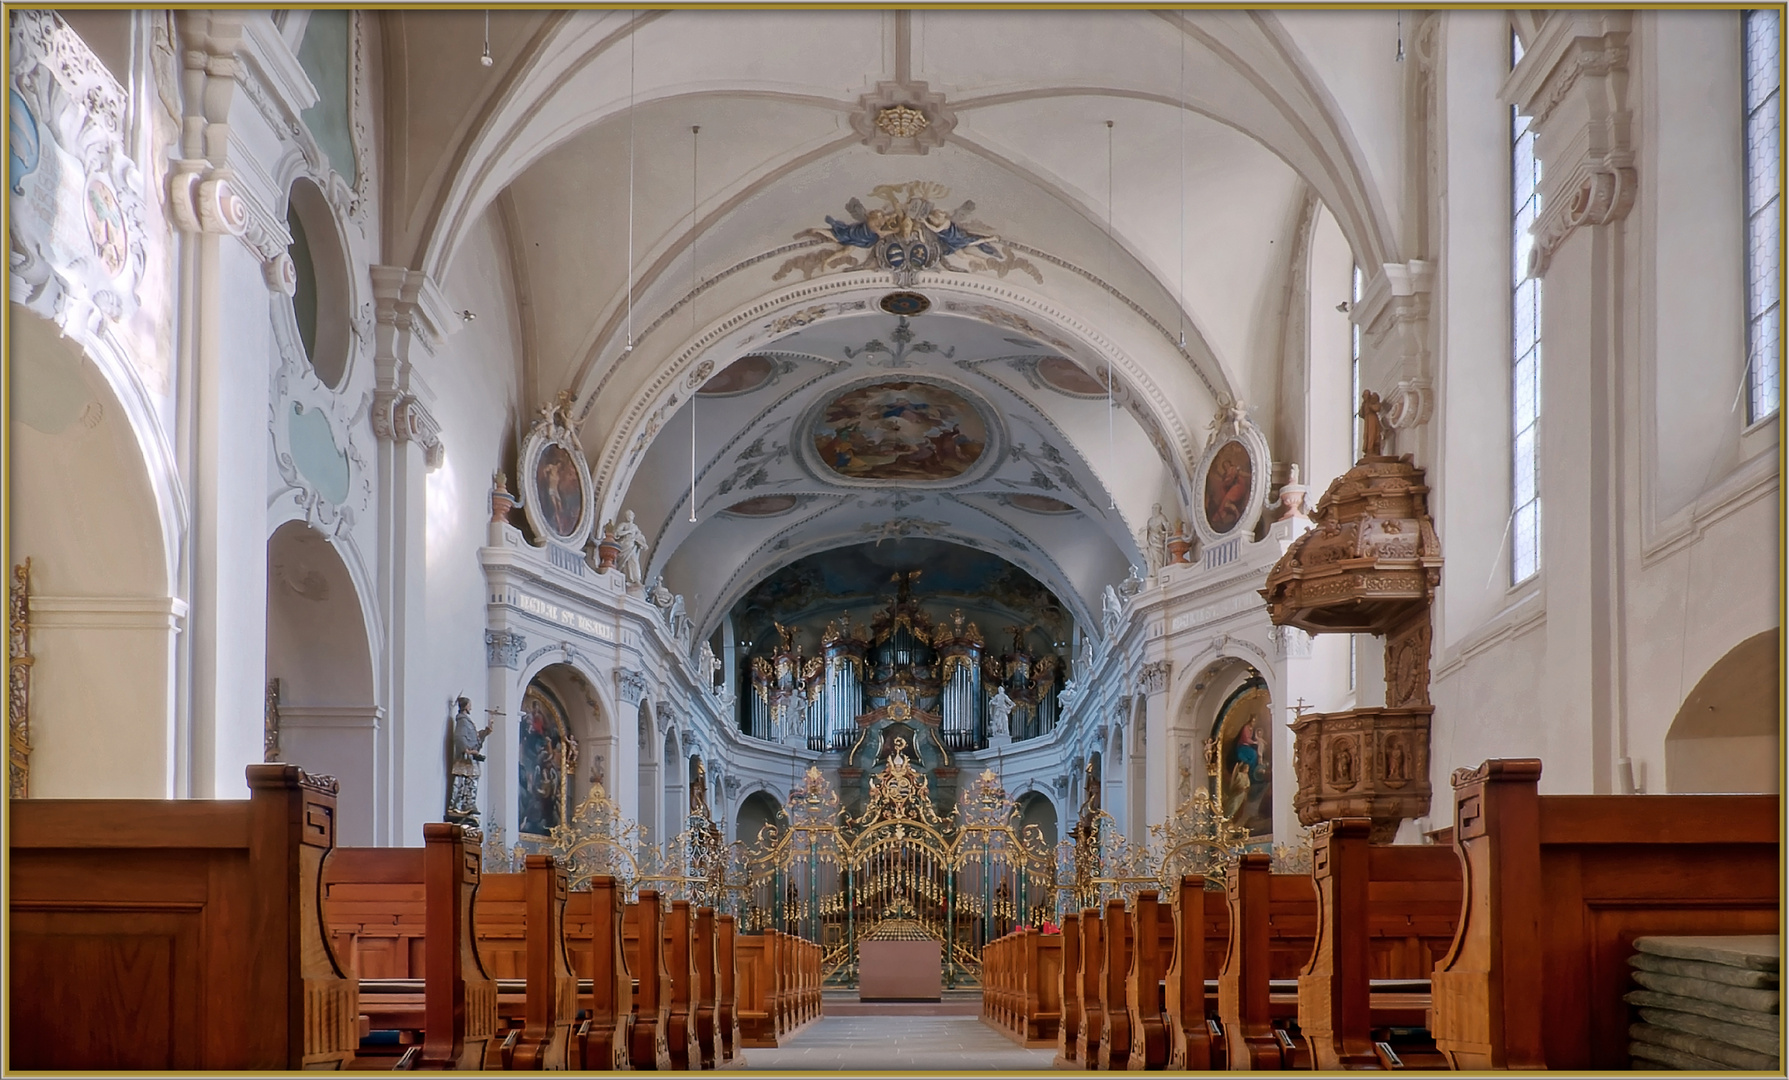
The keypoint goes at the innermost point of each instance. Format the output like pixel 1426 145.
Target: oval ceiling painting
pixel 1040 504
pixel 900 431
pixel 764 506
pixel 741 376
pixel 1064 375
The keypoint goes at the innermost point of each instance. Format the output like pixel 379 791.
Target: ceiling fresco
pixel 900 430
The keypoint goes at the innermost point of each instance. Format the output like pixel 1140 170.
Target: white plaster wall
pixel 81 509
pixel 474 379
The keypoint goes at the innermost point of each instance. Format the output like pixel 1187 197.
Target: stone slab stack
pixel 1705 1003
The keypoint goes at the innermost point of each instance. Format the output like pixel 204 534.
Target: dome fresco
pixel 899 430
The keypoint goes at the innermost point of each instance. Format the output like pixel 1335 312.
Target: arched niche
pixel 1035 808
pixel 591 747
pixel 104 629
pixel 1231 709
pixel 648 797
pixel 1114 795
pixel 320 675
pixel 672 816
pixel 1724 738
pixel 756 810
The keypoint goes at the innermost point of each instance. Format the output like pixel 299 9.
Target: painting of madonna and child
pixel 1245 774
pixel 899 430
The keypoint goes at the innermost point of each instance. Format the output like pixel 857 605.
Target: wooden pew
pixel 757 1025
pixel 375 902
pixel 728 973
pixel 1043 989
pixel 1557 889
pixel 705 947
pixel 177 935
pixel 1252 893
pixel 1093 1015
pixel 520 930
pixel 1152 949
pixel 680 961
pixel 1068 1031
pixel 1384 912
pixel 644 935
pixel 593 934
pixel 1201 927
pixel 1115 963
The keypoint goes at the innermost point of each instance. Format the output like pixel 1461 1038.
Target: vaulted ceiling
pixel 1160 247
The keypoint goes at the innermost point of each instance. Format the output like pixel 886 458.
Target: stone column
pixel 221 425
pixel 409 445
pixel 1160 774
pixel 1573 84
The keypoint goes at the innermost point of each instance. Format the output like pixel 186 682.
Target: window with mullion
pixel 1764 294
pixel 1525 350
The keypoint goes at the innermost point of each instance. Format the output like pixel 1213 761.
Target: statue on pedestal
pixel 630 543
pixel 463 769
pixel 1155 540
pixel 1000 711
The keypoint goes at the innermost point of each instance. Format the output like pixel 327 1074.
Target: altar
pixel 907 968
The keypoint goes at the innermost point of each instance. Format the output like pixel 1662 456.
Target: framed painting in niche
pixel 556 488
pixel 1245 758
pixel 546 754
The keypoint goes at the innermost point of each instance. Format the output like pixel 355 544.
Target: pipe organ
pixel 936 668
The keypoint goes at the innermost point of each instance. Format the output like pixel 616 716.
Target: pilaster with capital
pixel 1573 84
pixel 1159 778
pixel 1397 353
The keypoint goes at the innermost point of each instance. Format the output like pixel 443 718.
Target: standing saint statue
pixel 1000 711
pixel 463 769
pixel 630 540
pixel 1155 539
pixel 699 793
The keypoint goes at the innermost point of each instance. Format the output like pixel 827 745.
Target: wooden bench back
pixel 377 899
pixel 521 917
pixel 1093 1015
pixel 1115 965
pixel 1557 888
pixel 1201 937
pixel 643 934
pixel 756 1024
pixel 1068 1031
pixel 182 935
pixel 705 948
pixel 593 919
pixel 680 961
pixel 1152 950
pixel 727 972
pixel 1384 912
pixel 1272 916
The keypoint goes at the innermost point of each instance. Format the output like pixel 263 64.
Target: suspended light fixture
pixel 695 136
pixel 630 185
pixel 485 57
pixel 1180 100
pixel 1111 452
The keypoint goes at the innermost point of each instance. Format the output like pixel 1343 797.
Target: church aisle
pixel 901 1044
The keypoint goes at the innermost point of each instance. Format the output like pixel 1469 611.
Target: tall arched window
pixel 1525 348
pixel 1764 184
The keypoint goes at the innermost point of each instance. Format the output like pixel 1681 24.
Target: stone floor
pixel 901 1045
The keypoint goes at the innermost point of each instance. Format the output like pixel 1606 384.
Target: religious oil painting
pixel 1245 773
pixel 560 490
pixel 541 763
pixel 1227 483
pixel 900 430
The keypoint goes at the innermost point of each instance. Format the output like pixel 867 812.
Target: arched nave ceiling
pixel 541 143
